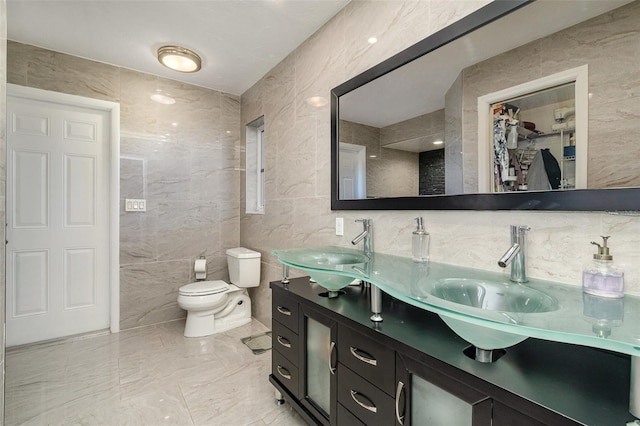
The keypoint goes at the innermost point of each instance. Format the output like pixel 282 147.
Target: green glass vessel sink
pixel 505 297
pixel 317 263
pixel 325 258
pixel 483 307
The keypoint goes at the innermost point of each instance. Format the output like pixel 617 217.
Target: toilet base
pixel 205 323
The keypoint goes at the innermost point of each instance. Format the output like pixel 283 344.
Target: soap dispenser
pixel 601 277
pixel 420 243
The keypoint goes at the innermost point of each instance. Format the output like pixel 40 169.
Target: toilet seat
pixel 204 288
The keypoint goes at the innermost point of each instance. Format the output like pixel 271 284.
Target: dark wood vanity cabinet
pixel 304 362
pixel 285 343
pixel 318 364
pixel 428 394
pixel 366 377
pixel 336 368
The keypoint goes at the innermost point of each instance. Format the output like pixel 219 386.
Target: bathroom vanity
pixel 336 367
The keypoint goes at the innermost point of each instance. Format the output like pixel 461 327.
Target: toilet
pixel 216 306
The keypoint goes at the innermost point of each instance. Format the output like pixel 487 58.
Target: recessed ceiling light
pixel 438 142
pixel 372 156
pixel 162 99
pixel 372 40
pixel 317 101
pixel 179 58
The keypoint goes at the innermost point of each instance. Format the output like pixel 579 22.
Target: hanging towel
pixel 552 168
pixel 537 179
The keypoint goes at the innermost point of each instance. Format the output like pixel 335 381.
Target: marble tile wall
pixel 454 172
pixel 297 211
pixel 608 45
pixel 3 162
pixel 183 158
pixel 429 125
pixel 383 178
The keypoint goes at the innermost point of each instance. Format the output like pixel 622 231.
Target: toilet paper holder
pixel 200 268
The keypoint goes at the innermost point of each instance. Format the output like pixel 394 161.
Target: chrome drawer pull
pixel 284 311
pixel 369 407
pixel 332 369
pixel 284 341
pixel 286 373
pixel 367 359
pixel 399 390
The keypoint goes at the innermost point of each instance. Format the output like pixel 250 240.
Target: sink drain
pixel 331 294
pixel 485 356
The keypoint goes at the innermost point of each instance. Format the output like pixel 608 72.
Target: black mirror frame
pixel 624 199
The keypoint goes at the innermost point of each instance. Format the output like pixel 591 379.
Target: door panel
pixel 31 271
pixel 79 190
pixel 31 189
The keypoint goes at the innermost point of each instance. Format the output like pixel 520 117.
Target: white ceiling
pixel 239 40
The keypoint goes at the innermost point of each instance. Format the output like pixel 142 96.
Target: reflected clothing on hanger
pixel 552 168
pixel 544 172
pixel 537 179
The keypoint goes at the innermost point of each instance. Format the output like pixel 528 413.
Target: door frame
pixel 578 75
pixel 113 109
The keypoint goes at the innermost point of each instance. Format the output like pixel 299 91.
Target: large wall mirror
pixel 520 105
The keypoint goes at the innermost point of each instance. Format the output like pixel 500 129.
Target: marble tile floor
pixel 145 376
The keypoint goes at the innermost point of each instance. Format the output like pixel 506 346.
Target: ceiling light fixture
pixel 179 58
pixel 438 142
pixel 372 40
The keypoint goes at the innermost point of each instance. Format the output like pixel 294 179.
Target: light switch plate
pixel 135 205
pixel 339 226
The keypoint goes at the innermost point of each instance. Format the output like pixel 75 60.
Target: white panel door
pixel 57 220
pixel 352 172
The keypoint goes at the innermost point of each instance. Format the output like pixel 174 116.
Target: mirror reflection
pixel 499 110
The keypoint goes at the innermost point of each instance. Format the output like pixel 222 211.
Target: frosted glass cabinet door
pixel 433 406
pixel 317 373
pixel 318 366
pixel 427 396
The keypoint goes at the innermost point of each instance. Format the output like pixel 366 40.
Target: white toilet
pixel 215 306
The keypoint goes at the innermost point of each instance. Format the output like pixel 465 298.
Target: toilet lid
pixel 203 288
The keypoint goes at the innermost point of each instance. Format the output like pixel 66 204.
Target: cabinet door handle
pixel 332 368
pixel 284 341
pixel 283 310
pixel 366 358
pixel 368 406
pixel 283 372
pixel 399 392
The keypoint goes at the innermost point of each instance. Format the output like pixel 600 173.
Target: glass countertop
pixel 539 308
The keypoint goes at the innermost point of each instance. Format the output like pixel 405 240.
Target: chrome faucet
pixel 365 235
pixel 516 255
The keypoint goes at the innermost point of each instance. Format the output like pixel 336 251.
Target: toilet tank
pixel 244 267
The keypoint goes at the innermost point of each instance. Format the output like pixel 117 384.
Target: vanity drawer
pixel 345 418
pixel 368 358
pixel 365 401
pixel 285 372
pixel 285 311
pixel 285 341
